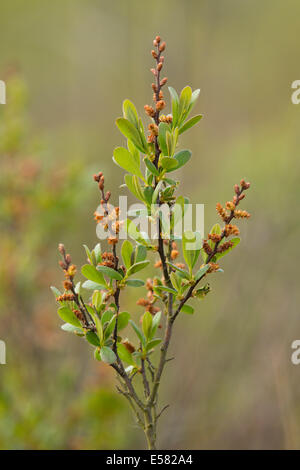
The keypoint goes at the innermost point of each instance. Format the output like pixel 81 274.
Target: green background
pixel 68 65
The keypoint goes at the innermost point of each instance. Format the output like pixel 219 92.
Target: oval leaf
pixel 107 355
pixel 68 316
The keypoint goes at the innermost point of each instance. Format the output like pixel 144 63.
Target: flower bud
pixel 160 105
pixel 61 249
pixel 68 259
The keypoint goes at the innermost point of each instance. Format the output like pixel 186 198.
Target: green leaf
pixel 155 323
pixel 201 272
pixel 201 293
pixel 175 105
pixel 55 291
pixel 138 332
pixel 97 299
pixel 72 329
pixel 176 281
pixel 137 267
pixel 191 245
pixel 177 211
pixel 123 319
pixel 124 354
pixel 78 288
pixel 166 289
pixel 107 316
pixel 91 285
pixel 99 327
pixel 126 160
pixel 135 283
pixel 216 229
pixel 141 253
pixel 91 273
pixel 126 252
pixel 147 324
pixel 110 327
pixel 107 355
pixel 163 128
pixel 68 316
pixel 153 343
pixel 89 254
pixel 134 233
pixel 181 271
pixel 190 123
pixel 156 192
pixel 168 163
pixel 148 193
pixel 130 113
pixel 97 354
pixel 235 241
pixel 194 98
pixel 130 132
pixel 134 186
pixel 187 309
pixel 92 338
pixel 97 251
pixel 134 152
pixel 151 167
pixel 109 272
pixel 184 104
pixel 182 158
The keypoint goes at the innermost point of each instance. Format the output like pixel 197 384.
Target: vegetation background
pixel 68 66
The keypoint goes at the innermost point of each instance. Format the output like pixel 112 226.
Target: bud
pixel 230 206
pixel 72 270
pixel 244 185
pixel 159 66
pixel 236 189
pixel 61 249
pixel 149 110
pixel 153 71
pixel 79 315
pixel 157 39
pixel 154 55
pixel 160 105
pixel 123 269
pixel 163 81
pixel 162 47
pixel 107 195
pixel 68 285
pixel 112 241
pixel 68 259
pixel 96 178
pixel 128 346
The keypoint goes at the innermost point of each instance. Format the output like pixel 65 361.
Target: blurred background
pixel 68 65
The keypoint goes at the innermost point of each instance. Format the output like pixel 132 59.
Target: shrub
pixel 92 309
